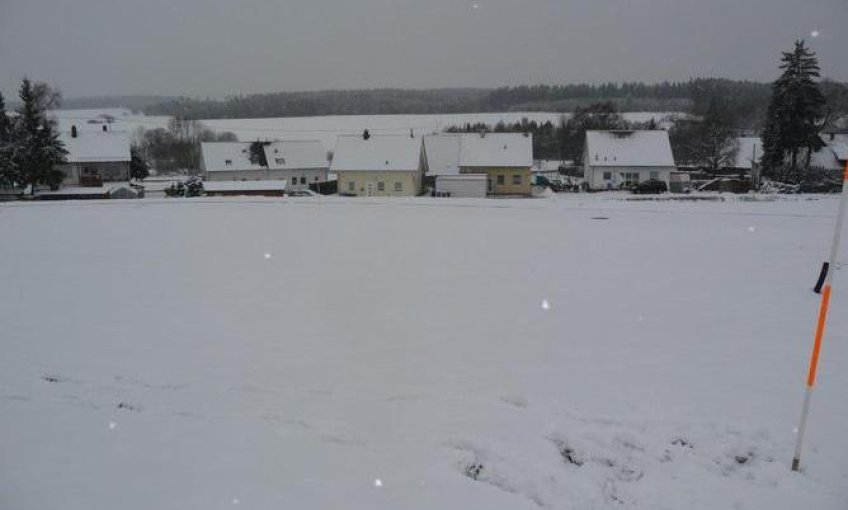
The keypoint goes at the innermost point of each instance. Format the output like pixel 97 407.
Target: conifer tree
pixel 794 116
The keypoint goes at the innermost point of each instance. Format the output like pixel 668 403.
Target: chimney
pixel 73 131
pixel 105 128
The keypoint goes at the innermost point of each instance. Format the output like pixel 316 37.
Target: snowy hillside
pixel 563 353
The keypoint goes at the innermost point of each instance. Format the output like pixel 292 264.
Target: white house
pixel 621 158
pixel 298 162
pixel 477 164
pixel 378 165
pixel 95 157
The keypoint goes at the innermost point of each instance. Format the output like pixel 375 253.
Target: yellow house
pixel 379 165
pixel 504 158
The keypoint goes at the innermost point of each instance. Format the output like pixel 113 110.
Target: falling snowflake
pixel 378 482
pixel 236 501
pixel 751 229
pixel 112 425
pixel 640 319
pixel 267 255
pixel 546 305
pixel 475 6
pixel 814 34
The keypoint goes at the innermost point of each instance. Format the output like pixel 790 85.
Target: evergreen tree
pixel 7 174
pixel 794 116
pixel 139 169
pixel 37 149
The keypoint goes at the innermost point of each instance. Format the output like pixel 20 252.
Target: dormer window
pixel 228 162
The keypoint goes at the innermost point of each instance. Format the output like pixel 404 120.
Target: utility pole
pixel 820 324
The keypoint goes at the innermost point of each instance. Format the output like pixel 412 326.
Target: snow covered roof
pixel 378 153
pixel 447 152
pixel 628 148
pixel 244 185
pixel 496 149
pixel 280 155
pixel 442 152
pixel 750 149
pixel 96 146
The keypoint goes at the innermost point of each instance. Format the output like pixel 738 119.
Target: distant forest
pixel 749 100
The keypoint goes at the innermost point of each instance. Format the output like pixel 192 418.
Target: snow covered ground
pixel 417 354
pixel 326 128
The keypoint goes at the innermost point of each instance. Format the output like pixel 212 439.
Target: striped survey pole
pixel 822 321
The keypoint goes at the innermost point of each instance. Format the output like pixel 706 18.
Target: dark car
pixel 650 187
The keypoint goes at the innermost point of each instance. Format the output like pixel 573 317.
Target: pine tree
pixel 794 115
pixel 37 148
pixel 139 169
pixel 7 174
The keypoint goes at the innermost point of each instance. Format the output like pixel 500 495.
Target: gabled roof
pixel 442 153
pixel 377 153
pixel 447 152
pixel 96 146
pixel 496 150
pixel 280 155
pixel 628 148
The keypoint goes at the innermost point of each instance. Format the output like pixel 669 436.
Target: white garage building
pixel 621 159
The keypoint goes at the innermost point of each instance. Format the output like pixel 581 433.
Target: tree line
pixel 746 99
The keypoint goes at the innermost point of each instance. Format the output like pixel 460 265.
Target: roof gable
pixel 496 150
pixel 628 148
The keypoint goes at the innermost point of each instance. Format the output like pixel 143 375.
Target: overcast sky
pixel 220 47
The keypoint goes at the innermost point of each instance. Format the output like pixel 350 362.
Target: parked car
pixel 650 187
pixel 302 193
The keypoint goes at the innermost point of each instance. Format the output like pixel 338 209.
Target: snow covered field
pixel 325 128
pixel 417 354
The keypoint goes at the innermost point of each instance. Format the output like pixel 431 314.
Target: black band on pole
pixel 825 267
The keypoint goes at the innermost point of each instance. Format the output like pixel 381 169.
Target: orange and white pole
pixel 820 324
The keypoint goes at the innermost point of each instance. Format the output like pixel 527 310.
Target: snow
pixel 629 148
pixel 153 359
pixel 280 155
pixel 379 152
pixel 442 152
pixel 839 145
pixel 750 149
pixel 99 146
pixel 496 150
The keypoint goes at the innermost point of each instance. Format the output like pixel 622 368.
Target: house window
pixel 501 180
pixel 315 179
pixel 294 180
pixel 228 162
pixel 630 178
pixel 280 161
pixel 351 186
pixel 516 178
pixel 607 176
pixel 381 186
pixel 303 180
pixel 655 175
pixel 398 186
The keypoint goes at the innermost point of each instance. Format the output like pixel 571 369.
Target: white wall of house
pixel 295 178
pixel 111 171
pixel 614 177
pixel 468 185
